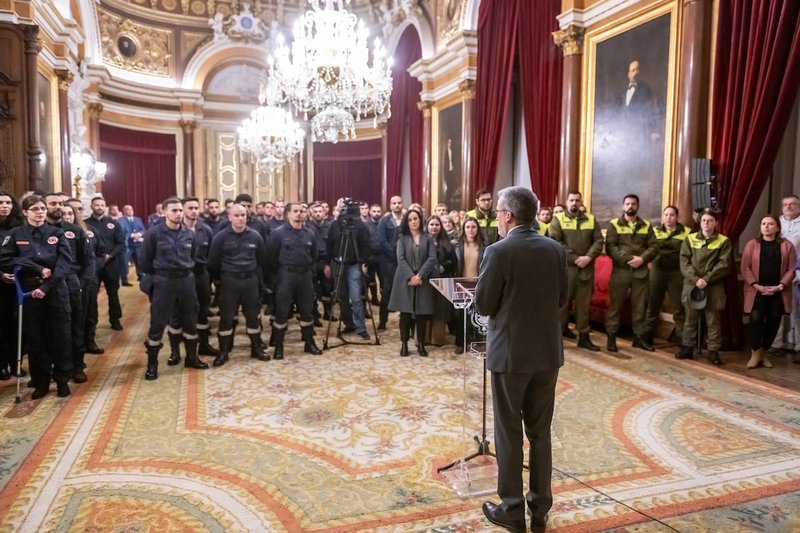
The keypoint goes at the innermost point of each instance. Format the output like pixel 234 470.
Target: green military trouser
pixel 622 281
pixel 713 325
pixel 661 283
pixel 579 290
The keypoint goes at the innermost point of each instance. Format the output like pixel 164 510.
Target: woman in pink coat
pixel 768 267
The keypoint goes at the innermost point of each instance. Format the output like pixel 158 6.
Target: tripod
pixel 482 441
pixel 345 240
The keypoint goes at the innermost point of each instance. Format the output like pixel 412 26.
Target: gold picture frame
pixel 621 156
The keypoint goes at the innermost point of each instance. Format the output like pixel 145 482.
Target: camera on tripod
pixel 349 213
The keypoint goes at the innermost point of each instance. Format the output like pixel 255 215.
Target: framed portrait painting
pixel 629 71
pixel 449 173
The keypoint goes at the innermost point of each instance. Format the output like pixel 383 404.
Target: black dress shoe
pixel 5 375
pixel 404 350
pixel 498 517
pixel 116 325
pixel 79 376
pixel 382 326
pixel 585 342
pixel 687 352
pixel 713 356
pixel 92 347
pixel 63 389
pixel 348 329
pixel 569 334
pixel 421 350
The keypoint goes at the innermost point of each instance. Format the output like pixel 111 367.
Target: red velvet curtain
pixel 540 62
pixel 505 27
pixel 141 167
pixel 406 120
pixel 497 43
pixel 348 169
pixel 756 79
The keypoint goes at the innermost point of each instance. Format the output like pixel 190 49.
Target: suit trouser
pixel 665 282
pixel 622 281
pixel 172 297
pixel 579 290
pixel 386 272
pixel 46 332
pixel 524 400
pixel 713 325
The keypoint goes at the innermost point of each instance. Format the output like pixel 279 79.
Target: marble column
pixel 34 149
pixel 427 185
pixel 570 40
pixel 64 81
pixel 694 72
pixel 467 88
pixel 188 127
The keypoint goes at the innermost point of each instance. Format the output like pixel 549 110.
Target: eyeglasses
pixel 494 213
pixel 37 208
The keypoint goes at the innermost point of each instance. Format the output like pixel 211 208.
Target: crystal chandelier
pixel 327 72
pixel 270 135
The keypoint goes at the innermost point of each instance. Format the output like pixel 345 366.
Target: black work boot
pixel 422 331
pixel 192 361
pixel 278 335
pixel 713 356
pixel 62 388
pixel 225 343
pixel 308 336
pixel 79 376
pixel 174 348
pixel 405 326
pixel 585 342
pixel 205 348
pixel 640 341
pixel 256 349
pixel 686 352
pixel 611 344
pixel 152 361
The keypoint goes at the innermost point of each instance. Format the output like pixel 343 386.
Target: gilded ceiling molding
pixel 135 47
pixel 449 18
pixel 570 40
pixel 584 18
pixel 425 106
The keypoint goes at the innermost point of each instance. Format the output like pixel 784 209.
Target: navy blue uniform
pixel 8 307
pixel 110 241
pixel 386 239
pixel 168 255
pixel 238 260
pixel 81 262
pixel 322 285
pixel 46 332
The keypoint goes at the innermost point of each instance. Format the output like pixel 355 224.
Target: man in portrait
pixel 451 173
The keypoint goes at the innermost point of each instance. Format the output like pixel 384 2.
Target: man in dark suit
pixel 133 228
pixel 521 288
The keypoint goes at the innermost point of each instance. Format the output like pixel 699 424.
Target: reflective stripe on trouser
pixel 173 297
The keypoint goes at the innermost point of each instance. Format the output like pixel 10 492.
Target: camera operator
pixel 348 248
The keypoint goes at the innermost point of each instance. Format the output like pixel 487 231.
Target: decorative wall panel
pixel 134 46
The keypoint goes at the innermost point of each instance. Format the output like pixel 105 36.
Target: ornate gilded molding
pixel 65 78
pixel 570 39
pixel 392 13
pixel 467 89
pixel 449 15
pixel 30 35
pixel 425 106
pixel 95 109
pixel 135 47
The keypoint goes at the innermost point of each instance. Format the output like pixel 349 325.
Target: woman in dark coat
pixel 412 293
pixel 10 217
pixel 469 254
pixel 445 268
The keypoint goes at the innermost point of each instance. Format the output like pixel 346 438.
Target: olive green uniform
pixel 709 259
pixel 624 240
pixel 666 278
pixel 578 235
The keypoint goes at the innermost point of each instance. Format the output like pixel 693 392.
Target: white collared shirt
pixel 790 229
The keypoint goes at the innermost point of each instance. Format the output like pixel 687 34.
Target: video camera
pixel 349 213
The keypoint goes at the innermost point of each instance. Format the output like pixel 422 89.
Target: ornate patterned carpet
pixel 351 440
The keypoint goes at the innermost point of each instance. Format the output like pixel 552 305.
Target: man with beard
pixel 387 241
pixel 322 285
pixel 374 262
pixel 110 244
pixel 212 216
pixel 80 262
pixel 579 234
pixel 631 244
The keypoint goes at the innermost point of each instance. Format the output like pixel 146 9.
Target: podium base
pixel 477 477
